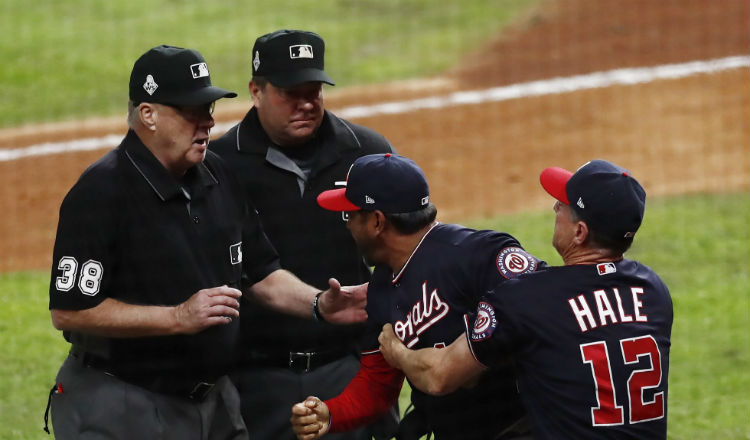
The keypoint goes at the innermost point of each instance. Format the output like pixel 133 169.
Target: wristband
pixel 317 316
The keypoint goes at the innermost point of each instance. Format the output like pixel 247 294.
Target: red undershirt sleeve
pixel 369 395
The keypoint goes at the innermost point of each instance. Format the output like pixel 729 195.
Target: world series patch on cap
pixel 287 58
pixel 173 76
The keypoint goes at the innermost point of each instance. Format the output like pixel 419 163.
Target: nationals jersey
pixel 591 348
pixel 450 269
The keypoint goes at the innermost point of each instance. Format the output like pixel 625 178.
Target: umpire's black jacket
pixel 312 243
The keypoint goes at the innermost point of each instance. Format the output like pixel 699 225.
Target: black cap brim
pixel 297 77
pixel 202 96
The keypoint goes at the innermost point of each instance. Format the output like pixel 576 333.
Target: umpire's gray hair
pixel 132 114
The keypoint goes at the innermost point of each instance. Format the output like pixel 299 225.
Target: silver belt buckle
pixel 293 356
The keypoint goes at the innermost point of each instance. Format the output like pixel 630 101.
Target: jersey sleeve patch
pixel 484 323
pixel 514 261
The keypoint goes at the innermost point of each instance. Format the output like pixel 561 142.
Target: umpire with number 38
pixel 154 244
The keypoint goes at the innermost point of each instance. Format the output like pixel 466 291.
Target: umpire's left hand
pixel 206 308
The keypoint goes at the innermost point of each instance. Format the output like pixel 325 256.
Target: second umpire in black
pixel 155 244
pixel 286 151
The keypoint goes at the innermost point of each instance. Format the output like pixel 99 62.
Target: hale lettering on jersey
pixel 514 261
pixel 423 315
pixel 604 310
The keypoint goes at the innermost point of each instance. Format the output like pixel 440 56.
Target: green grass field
pixel 700 245
pixel 70 59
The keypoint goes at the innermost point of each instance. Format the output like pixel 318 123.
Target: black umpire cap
pixel 173 76
pixel 287 58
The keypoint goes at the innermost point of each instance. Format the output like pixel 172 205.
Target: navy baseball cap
pixel 603 194
pixel 288 58
pixel 386 182
pixel 173 76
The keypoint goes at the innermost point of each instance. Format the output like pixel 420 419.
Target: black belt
pixel 297 361
pixel 93 361
pixel 194 390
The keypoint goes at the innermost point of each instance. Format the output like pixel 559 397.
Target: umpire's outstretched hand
pixel 343 305
pixel 208 307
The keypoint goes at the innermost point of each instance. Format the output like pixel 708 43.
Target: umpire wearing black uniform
pixel 286 151
pixel 154 243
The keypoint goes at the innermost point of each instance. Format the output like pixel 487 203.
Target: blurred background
pixel 483 94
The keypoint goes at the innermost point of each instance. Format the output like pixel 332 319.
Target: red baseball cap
pixel 603 194
pixel 385 182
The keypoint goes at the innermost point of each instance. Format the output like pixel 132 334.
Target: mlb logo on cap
pixel 300 51
pixel 199 70
pixel 287 58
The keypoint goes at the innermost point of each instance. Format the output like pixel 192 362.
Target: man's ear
pixel 379 219
pixel 581 233
pixel 255 90
pixel 148 115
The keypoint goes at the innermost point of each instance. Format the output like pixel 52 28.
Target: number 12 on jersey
pixel 608 412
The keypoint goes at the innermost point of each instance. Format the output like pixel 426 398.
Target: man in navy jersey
pixel 589 340
pixel 427 276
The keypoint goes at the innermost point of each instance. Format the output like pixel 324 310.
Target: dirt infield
pixel 677 136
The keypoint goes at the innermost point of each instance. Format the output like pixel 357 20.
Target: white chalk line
pixel 551 86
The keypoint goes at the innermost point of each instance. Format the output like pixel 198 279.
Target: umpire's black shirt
pixel 285 196
pixel 130 231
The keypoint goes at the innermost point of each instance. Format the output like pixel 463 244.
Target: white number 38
pixel 89 281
